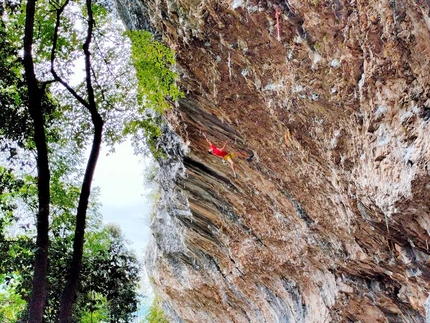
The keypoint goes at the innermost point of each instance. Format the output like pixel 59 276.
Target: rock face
pixel 330 221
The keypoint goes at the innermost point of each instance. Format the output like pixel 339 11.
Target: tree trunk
pixel 37 301
pixel 69 292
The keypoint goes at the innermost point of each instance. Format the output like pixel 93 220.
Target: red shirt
pixel 218 152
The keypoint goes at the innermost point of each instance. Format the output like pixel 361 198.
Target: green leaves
pixel 108 285
pixel 152 61
pixel 14 117
pixel 12 305
pixel 9 188
pixel 155 313
pixel 151 127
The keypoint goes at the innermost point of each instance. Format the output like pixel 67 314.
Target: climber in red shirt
pixel 220 152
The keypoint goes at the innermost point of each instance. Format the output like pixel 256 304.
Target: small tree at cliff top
pixel 155 81
pixel 155 84
pixel 67 117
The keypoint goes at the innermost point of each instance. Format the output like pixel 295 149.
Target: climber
pixel 220 152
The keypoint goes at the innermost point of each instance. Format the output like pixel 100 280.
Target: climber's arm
pixel 209 142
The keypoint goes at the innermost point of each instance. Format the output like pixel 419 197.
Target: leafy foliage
pixel 110 272
pixel 152 60
pixel 156 86
pixel 14 117
pixel 15 255
pixel 151 126
pixel 121 268
pixel 9 185
pixel 110 277
pixel 155 313
pixel 12 303
pixel 15 121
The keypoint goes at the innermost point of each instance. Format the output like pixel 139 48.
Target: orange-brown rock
pixel 330 221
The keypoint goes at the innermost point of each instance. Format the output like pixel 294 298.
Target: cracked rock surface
pixel 330 221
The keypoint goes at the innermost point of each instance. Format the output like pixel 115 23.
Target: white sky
pixel 123 194
pixel 125 202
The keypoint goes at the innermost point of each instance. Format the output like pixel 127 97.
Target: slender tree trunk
pixel 37 301
pixel 69 292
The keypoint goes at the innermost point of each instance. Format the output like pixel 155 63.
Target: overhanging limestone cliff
pixel 330 221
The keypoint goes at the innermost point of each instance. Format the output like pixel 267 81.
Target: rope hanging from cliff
pixel 277 13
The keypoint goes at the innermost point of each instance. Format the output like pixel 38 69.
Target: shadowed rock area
pixel 330 221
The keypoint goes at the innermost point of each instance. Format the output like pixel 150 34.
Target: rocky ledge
pixel 330 220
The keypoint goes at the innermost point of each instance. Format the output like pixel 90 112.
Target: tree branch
pixel 90 90
pixel 59 12
pixel 69 292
